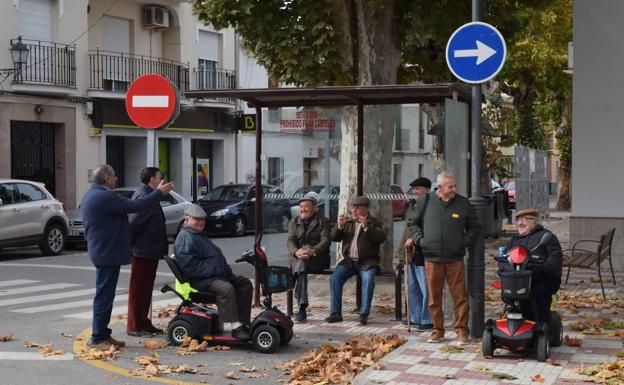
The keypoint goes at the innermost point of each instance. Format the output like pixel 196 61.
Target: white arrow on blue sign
pixel 476 52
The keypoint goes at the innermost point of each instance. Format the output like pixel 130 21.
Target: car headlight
pixel 219 213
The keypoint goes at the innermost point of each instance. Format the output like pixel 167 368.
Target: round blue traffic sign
pixel 476 52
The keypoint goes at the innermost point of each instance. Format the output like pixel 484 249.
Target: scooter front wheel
pixel 487 343
pixel 177 330
pixel 543 347
pixel 266 339
pixel 556 329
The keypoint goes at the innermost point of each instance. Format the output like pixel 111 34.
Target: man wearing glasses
pixel 547 272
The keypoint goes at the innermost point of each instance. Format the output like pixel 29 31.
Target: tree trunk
pixel 564 135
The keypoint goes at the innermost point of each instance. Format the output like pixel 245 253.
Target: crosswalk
pixel 69 300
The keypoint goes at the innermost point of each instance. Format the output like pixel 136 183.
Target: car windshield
pixel 125 193
pixel 227 193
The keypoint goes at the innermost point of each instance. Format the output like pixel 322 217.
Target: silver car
pixel 30 215
pixel 172 204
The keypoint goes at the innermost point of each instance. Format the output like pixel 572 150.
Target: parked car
pixel 510 186
pixel 319 192
pixel 494 185
pixel 30 215
pixel 173 205
pixel 399 205
pixel 232 209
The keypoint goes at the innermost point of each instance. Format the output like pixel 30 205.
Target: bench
pixel 587 259
pixel 398 277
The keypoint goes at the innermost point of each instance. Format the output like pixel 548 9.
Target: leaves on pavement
pixel 155 344
pixel 572 341
pixel 98 354
pixel 232 376
pixel 537 378
pixel 192 348
pixel 610 373
pixel 6 338
pixel 503 376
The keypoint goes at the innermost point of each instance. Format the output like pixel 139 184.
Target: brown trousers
pixel 233 298
pixel 142 279
pixel 454 273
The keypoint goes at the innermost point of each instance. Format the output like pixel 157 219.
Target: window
pixel 207 74
pixel 167 200
pixel 276 172
pixel 29 193
pixel 36 20
pixel 209 47
pixel 8 194
pixel 421 130
pixel 396 173
pixel 307 171
pixel 420 169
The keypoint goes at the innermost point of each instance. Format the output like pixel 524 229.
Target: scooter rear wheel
pixel 487 343
pixel 543 347
pixel 177 330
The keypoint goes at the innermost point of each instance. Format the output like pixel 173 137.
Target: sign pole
pixel 476 256
pixel 151 148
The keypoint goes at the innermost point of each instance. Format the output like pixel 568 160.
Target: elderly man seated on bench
pixel 205 266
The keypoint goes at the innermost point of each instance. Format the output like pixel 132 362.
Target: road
pixel 49 299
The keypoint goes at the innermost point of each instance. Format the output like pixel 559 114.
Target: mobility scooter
pixel 512 331
pixel 270 329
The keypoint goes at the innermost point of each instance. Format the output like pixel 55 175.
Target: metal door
pixel 32 153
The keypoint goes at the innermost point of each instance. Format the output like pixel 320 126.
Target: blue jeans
pixel 418 295
pixel 105 287
pixel 342 275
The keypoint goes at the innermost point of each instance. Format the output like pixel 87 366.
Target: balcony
pixel 115 71
pixel 215 79
pixel 49 65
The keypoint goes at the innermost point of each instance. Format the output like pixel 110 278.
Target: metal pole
pixel 258 221
pixel 360 149
pixel 327 165
pixel 151 148
pixel 476 264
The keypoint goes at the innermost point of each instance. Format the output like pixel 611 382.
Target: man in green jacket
pixel 443 227
pixel 361 236
pixel 308 245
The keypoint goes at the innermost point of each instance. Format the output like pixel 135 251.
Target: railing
pixel 114 71
pixel 48 63
pixel 215 80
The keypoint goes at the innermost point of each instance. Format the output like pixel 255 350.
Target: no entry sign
pixel 152 102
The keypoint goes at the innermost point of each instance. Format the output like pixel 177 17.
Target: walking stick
pixel 407 302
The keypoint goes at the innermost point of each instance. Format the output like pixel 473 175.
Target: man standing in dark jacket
pixel 546 277
pixel 443 226
pixel 308 245
pixel 205 266
pixel 361 236
pixel 107 232
pixel 149 244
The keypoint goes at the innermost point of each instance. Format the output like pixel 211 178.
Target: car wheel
pixel 239 226
pixel 283 225
pixel 53 240
pixel 266 339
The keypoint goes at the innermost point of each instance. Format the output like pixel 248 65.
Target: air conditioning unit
pixel 155 17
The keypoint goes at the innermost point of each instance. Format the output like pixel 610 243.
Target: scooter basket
pixel 516 285
pixel 279 279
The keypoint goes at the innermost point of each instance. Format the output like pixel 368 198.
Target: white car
pixel 172 204
pixel 30 215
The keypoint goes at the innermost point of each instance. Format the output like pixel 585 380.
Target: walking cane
pixel 407 302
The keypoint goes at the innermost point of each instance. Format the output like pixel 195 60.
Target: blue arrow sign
pixel 476 52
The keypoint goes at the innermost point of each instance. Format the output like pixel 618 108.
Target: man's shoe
pixel 116 342
pixel 436 336
pixel 140 333
pixel 154 330
pixel 462 338
pixel 425 327
pixel 334 317
pixel 301 314
pixel 363 319
pixel 412 323
pixel 104 345
pixel 241 333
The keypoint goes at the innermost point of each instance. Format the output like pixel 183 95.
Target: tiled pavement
pixel 419 362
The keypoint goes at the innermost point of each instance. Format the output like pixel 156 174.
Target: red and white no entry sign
pixel 152 102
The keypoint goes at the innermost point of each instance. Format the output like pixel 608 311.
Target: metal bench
pixel 398 277
pixel 586 259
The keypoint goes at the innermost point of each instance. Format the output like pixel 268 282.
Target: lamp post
pixel 19 55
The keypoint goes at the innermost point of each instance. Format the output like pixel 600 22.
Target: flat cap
pixel 194 211
pixel 309 197
pixel 361 201
pixel 527 213
pixel 421 182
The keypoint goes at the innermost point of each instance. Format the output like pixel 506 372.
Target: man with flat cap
pixel 546 277
pixel 361 236
pixel 308 245
pixel 417 277
pixel 203 262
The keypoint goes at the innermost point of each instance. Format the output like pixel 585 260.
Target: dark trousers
pixel 140 289
pixel 105 286
pixel 538 306
pixel 233 298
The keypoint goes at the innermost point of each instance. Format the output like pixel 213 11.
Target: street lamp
pixel 19 55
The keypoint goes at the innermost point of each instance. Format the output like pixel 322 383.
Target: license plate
pixel 74 233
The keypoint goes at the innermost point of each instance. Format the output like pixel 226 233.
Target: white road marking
pixel 123 309
pixel 150 101
pixel 16 282
pixel 46 297
pixel 70 267
pixel 34 289
pixel 32 356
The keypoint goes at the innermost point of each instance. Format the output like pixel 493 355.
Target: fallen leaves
pixel 94 354
pixel 537 378
pixel 155 344
pixel 232 376
pixel 339 363
pixel 570 341
pixel 503 376
pixel 6 338
pixel 451 349
pixel 610 373
pixel 191 347
pixel 45 349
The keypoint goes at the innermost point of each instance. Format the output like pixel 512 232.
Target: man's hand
pixel 363 222
pixel 165 188
pixel 409 243
pixel 302 254
pixel 342 221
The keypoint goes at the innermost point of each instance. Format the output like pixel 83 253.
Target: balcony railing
pixel 48 63
pixel 114 71
pixel 209 79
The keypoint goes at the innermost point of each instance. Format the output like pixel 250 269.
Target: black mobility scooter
pixel 270 329
pixel 513 331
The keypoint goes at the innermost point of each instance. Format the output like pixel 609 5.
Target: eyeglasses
pixel 525 219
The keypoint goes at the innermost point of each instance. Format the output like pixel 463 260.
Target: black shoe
pixel 140 333
pixel 363 319
pixel 424 327
pixel 334 317
pixel 412 323
pixel 301 314
pixel 241 333
pixel 154 330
